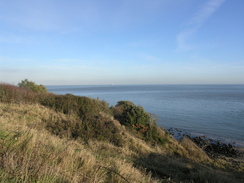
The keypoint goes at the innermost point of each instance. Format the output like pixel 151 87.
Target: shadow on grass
pixel 176 169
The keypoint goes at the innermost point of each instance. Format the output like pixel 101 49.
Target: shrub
pixel 99 128
pixel 90 125
pixel 139 121
pixel 155 135
pixel 84 107
pixel 32 86
pixel 129 114
pixel 102 129
pixel 13 94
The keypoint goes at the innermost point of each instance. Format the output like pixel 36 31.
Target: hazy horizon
pixel 207 84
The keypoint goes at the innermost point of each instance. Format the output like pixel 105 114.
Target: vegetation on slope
pixel 66 138
pixel 30 85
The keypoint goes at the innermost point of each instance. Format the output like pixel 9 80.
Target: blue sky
pixel 122 41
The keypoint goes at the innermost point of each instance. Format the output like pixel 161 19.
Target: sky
pixel 89 42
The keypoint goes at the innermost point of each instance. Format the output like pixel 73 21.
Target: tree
pixel 30 85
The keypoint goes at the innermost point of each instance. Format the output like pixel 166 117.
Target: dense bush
pixel 84 107
pixel 139 121
pixel 99 128
pixel 155 135
pixel 129 114
pixel 91 123
pixel 32 86
pixel 13 94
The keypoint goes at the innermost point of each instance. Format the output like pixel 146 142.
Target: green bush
pixel 102 129
pixel 84 107
pixel 99 128
pixel 91 123
pixel 155 136
pixel 129 114
pixel 32 86
pixel 139 122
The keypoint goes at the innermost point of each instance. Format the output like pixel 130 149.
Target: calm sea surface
pixel 213 110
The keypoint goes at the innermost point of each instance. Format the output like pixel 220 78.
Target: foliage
pixel 32 86
pixel 13 94
pixel 141 122
pixel 129 114
pixel 90 125
pixel 84 107
pixel 156 135
pixel 99 128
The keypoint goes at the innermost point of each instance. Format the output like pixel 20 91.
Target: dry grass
pixel 30 153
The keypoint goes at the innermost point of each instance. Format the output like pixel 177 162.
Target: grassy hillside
pixel 65 138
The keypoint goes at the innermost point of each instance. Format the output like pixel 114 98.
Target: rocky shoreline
pixel 214 148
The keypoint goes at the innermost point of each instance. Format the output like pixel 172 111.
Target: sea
pixel 215 111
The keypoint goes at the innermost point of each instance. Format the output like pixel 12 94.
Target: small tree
pixel 30 85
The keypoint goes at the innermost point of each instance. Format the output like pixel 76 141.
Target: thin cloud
pixel 10 59
pixel 17 40
pixel 195 23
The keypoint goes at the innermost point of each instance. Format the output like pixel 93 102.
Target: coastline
pixel 81 134
pixel 213 147
pixel 211 110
